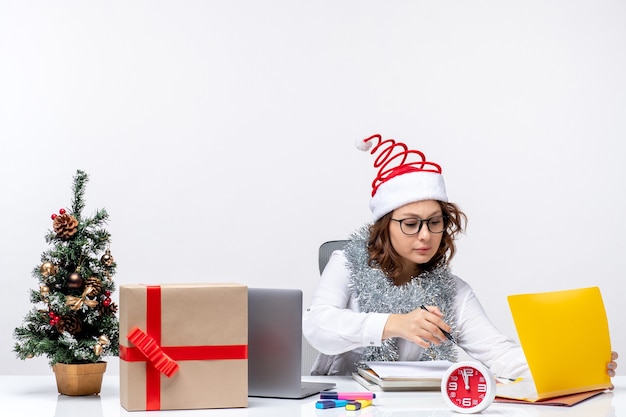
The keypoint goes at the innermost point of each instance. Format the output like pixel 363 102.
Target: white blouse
pixel 334 324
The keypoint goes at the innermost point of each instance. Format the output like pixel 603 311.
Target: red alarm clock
pixel 468 387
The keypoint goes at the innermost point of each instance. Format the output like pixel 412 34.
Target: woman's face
pixel 418 248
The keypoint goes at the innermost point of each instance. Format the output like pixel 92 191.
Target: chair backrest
pixel 309 353
pixel 326 249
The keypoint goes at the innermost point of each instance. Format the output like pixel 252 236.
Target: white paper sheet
pixel 410 369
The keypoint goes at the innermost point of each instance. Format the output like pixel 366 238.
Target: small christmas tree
pixel 73 319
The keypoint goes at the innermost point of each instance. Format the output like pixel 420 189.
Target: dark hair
pixel 382 254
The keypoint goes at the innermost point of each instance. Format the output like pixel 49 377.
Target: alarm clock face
pixel 468 387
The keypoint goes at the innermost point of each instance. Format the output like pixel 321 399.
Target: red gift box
pixel 183 346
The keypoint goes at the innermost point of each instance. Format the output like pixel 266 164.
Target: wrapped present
pixel 183 346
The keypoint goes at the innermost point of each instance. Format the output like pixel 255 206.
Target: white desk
pixel 36 396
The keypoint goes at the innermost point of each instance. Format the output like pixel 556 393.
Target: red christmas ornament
pixel 51 314
pixel 62 211
pixel 106 302
pixel 54 216
pixel 52 322
pixel 107 293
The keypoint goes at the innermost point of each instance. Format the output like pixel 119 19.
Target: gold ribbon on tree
pixel 76 303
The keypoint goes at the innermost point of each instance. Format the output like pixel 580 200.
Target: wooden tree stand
pixel 79 379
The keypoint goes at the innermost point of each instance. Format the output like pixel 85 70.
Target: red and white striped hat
pixel 404 176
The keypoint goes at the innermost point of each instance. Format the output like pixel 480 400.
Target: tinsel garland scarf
pixel 375 292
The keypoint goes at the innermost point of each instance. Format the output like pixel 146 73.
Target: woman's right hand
pixel 421 327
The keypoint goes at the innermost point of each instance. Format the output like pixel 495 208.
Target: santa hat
pixel 404 176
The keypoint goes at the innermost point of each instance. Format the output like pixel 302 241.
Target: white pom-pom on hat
pixel 363 145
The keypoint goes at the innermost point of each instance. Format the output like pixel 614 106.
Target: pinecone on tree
pixel 95 284
pixel 68 323
pixel 107 310
pixel 65 225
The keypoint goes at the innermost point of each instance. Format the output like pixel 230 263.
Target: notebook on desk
pixel 275 345
pixel 565 338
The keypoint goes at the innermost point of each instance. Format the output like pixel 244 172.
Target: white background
pixel 219 136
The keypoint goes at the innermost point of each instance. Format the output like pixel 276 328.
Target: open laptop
pixel 275 345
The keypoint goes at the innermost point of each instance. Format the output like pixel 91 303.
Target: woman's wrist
pixel 389 329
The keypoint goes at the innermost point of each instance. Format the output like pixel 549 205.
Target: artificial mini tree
pixel 73 320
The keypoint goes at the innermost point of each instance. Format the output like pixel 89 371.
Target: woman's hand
pixel 421 327
pixel 612 366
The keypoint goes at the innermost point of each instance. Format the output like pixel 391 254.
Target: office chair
pixel 326 249
pixel 309 353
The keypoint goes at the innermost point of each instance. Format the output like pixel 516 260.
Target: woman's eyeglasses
pixel 412 225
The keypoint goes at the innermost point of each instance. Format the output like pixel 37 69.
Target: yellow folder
pixel 565 337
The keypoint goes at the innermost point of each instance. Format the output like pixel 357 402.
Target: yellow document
pixel 565 337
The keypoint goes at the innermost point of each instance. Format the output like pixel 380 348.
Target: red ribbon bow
pixel 153 352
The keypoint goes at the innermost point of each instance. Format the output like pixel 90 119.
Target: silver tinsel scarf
pixel 375 292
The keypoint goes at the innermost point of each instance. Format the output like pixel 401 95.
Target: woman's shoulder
pixel 337 261
pixel 339 254
pixel 461 285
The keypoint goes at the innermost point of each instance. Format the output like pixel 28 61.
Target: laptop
pixel 275 345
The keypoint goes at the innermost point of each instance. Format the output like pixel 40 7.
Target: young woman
pixel 390 295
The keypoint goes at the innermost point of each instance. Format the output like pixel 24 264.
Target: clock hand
pixel 465 378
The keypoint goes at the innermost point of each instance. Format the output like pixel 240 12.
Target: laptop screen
pixel 275 344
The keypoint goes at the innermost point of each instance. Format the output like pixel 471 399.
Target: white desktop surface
pixel 26 396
